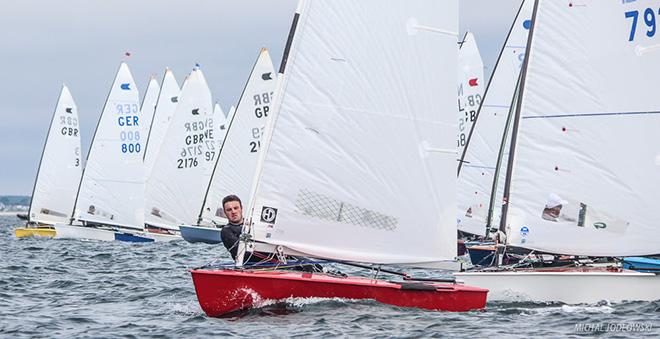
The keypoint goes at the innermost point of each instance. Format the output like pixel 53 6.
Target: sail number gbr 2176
pixel 650 23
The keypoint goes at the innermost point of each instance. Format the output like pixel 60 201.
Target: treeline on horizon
pixel 15 200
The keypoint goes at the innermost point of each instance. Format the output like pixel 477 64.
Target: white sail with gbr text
pixel 183 166
pixel 237 164
pixel 470 87
pixel 112 187
pixel 360 163
pixel 480 158
pixel 586 178
pixel 60 167
pixel 168 97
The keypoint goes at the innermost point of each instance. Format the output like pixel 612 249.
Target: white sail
pixel 183 167
pixel 589 132
pixel 60 167
pixel 470 87
pixel 225 126
pixel 168 97
pixel 360 164
pixel 148 107
pixel 221 125
pixel 112 187
pixel 479 162
pixel 237 164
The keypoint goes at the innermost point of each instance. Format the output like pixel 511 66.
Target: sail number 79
pixel 649 20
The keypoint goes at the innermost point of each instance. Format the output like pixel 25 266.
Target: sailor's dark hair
pixel 229 198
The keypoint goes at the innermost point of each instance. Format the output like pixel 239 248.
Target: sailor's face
pixel 234 212
pixel 554 212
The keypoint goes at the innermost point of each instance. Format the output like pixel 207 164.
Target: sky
pixel 80 43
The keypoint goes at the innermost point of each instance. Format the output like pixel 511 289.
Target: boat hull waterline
pixel 567 286
pixel 224 291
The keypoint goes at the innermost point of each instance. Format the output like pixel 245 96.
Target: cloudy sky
pixel 81 42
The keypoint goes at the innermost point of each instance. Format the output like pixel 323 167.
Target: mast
pixel 499 58
pixel 500 157
pixel 240 253
pixel 516 122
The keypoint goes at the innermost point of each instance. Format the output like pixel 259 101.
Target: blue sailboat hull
pixel 642 264
pixel 207 235
pixel 128 237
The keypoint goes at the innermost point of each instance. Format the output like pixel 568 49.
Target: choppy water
pixel 69 288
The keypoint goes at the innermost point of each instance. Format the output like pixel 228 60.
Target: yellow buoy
pixel 34 232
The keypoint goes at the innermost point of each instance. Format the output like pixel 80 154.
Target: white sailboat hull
pixel 82 232
pixel 64 231
pixel 158 237
pixel 571 287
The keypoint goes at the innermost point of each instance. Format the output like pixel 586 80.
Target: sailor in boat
pixel 231 234
pixel 552 210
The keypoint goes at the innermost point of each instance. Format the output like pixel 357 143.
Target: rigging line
pixel 481 167
pixel 578 115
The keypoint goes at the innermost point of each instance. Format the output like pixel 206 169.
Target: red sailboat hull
pixel 224 291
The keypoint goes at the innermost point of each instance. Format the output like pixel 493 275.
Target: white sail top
pixel 184 164
pixel 470 87
pixel 478 168
pixel 60 168
pixel 361 160
pixel 112 187
pixel 148 107
pixel 168 97
pixel 586 178
pixel 238 160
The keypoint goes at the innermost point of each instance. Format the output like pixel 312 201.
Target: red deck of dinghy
pixel 223 291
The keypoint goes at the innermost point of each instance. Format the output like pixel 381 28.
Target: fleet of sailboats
pixel 337 160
